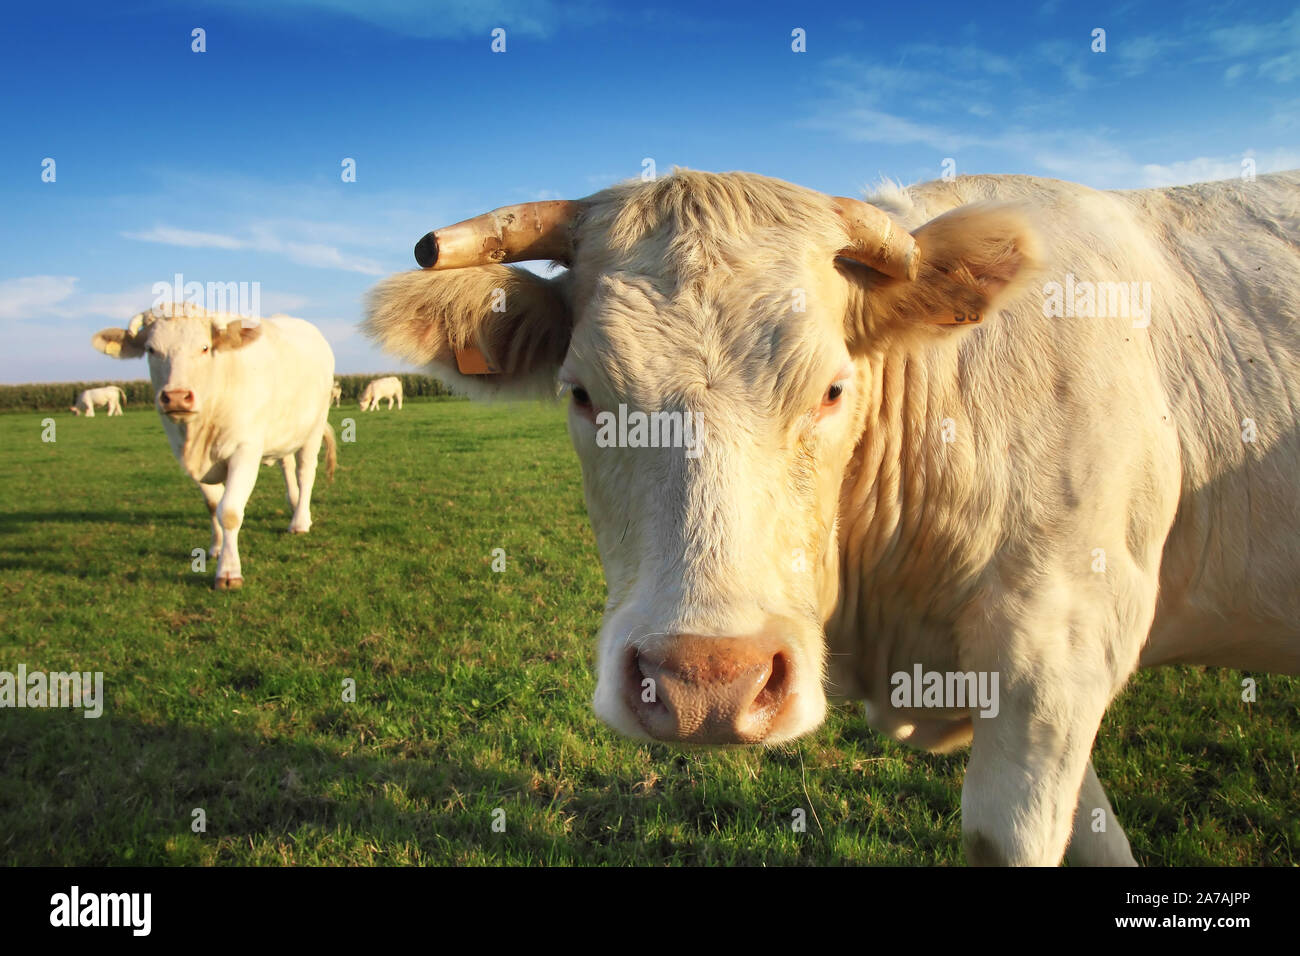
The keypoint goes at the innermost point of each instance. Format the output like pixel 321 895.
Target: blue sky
pixel 225 165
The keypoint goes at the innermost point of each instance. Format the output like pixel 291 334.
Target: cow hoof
pixel 293 530
pixel 228 584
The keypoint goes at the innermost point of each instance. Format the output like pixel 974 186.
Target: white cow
pixel 230 396
pixel 389 387
pixel 110 396
pixel 336 394
pixel 974 452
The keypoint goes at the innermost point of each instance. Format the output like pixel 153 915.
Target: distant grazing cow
pixel 336 394
pixel 973 451
pixel 110 396
pixel 233 395
pixel 382 388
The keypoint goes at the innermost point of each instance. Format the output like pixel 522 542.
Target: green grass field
pixel 473 687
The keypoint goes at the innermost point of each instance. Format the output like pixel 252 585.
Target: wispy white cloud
pixel 34 298
pixel 185 237
pixel 428 19
pixel 40 299
pixel 877 126
pixel 287 302
pixel 1208 168
pixel 1066 153
pixel 337 331
pixel 1281 69
pixel 1271 44
pixel 966 59
pixel 1247 39
pixel 920 99
pixel 1137 54
pixel 263 239
pixel 34 295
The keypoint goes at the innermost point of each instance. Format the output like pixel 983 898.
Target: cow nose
pixel 176 400
pixel 710 690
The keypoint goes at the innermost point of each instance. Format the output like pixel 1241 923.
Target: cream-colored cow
pixel 232 396
pixel 336 394
pixel 389 387
pixel 995 434
pixel 110 396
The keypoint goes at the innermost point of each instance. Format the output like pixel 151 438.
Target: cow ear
pixel 481 329
pixel 972 260
pixel 117 343
pixel 234 335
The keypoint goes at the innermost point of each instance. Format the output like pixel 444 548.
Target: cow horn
pixel 139 321
pixel 876 240
pixel 530 230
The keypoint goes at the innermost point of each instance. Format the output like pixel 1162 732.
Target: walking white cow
pixel 110 396
pixel 976 474
pixel 232 396
pixel 336 394
pixel 389 387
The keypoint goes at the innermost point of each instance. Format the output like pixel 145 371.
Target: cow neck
pixel 197 439
pixel 906 569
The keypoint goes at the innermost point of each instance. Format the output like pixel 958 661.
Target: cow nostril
pixel 776 686
pixel 646 695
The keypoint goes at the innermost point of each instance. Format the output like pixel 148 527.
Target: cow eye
pixel 580 397
pixel 833 393
pixel 149 349
pixel 206 349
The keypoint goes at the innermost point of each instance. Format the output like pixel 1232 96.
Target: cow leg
pixel 1098 839
pixel 1024 777
pixel 212 495
pixel 1058 663
pixel 1062 648
pixel 290 480
pixel 399 401
pixel 241 476
pixel 307 456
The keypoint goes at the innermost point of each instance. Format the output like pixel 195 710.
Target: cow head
pixel 729 317
pixel 185 346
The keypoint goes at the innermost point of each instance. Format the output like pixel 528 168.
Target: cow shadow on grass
pixel 120 791
pixel 24 546
pixel 21 522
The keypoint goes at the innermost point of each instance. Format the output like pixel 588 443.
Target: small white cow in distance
pixel 232 396
pixel 389 387
pixel 336 394
pixel 110 396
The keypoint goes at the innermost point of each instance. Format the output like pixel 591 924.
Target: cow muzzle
pixel 177 403
pixel 711 690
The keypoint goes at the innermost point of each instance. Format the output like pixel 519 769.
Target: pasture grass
pixel 473 687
